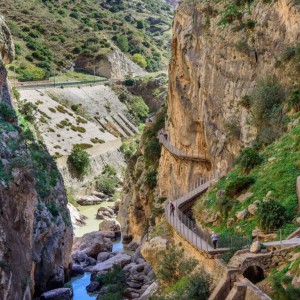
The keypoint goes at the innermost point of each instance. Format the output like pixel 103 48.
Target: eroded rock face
pixel 35 228
pixel 209 75
pixel 114 65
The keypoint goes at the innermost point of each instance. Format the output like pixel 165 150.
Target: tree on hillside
pixel 122 43
pixel 139 59
pixel 140 24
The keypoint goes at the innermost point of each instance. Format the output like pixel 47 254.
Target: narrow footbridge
pixel 195 156
pixel 185 226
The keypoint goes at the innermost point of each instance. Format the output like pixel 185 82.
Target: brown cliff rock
pixel 209 74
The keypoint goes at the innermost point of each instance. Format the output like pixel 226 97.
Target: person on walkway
pixel 172 209
pixel 214 238
pixel 166 136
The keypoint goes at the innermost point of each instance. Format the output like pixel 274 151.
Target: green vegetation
pixel 248 159
pixel 271 215
pixel 114 282
pixel 179 279
pixel 7 113
pixel 173 266
pixel 108 181
pixel 88 29
pixel 277 172
pixel 136 106
pixel 79 159
pixel 139 59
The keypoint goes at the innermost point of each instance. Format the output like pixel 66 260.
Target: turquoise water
pixel 79 283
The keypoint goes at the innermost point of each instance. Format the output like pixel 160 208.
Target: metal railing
pixel 163 139
pixel 184 225
pixel 60 84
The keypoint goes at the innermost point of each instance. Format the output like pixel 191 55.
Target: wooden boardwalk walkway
pixel 178 153
pixel 185 226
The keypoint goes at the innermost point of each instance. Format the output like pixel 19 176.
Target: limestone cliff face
pixel 35 227
pixel 114 65
pixel 209 73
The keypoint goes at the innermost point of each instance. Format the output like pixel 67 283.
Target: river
pixel 79 283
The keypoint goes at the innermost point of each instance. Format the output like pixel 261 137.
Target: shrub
pixel 27 109
pixel 140 24
pixel 7 112
pixel 294 100
pixel 233 129
pixel 114 280
pixel 109 170
pixel 267 95
pixel 224 205
pixel 106 184
pixel 151 179
pixel 139 59
pixel 238 185
pixel 129 82
pixel 80 160
pixel 248 159
pixel 198 286
pixel 271 215
pixel 172 266
pixel 246 101
pixel 31 73
pixel 152 151
pixel 122 43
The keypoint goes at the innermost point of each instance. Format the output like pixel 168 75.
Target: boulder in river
pixel 89 200
pixel 92 244
pixel 105 211
pixel 76 270
pixel 58 294
pixel 110 225
pixel 121 259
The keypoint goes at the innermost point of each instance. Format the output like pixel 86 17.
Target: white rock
pixel 241 215
pixel 255 247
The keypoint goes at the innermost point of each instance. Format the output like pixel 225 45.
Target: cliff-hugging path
pixel 196 156
pixel 179 220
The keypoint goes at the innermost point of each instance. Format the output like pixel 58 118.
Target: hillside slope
pixel 85 32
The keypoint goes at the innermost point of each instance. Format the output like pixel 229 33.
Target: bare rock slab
pixel 58 294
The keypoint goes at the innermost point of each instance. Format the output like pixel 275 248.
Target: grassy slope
pixel 278 176
pixel 66 29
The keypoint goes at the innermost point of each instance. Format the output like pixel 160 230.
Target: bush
pixel 27 109
pixel 271 215
pixel 152 151
pixel 172 266
pixel 140 24
pixel 106 184
pixel 238 185
pixel 31 73
pixel 129 82
pixel 114 280
pixel 80 160
pixel 294 100
pixel 151 179
pixel 122 43
pixel 109 170
pixel 198 286
pixel 7 112
pixel 224 205
pixel 233 129
pixel 248 159
pixel 139 59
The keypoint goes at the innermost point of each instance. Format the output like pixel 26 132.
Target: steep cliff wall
pixel 35 228
pixel 212 68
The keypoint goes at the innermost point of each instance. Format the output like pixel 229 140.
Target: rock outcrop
pixel 114 65
pixel 209 73
pixel 35 228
